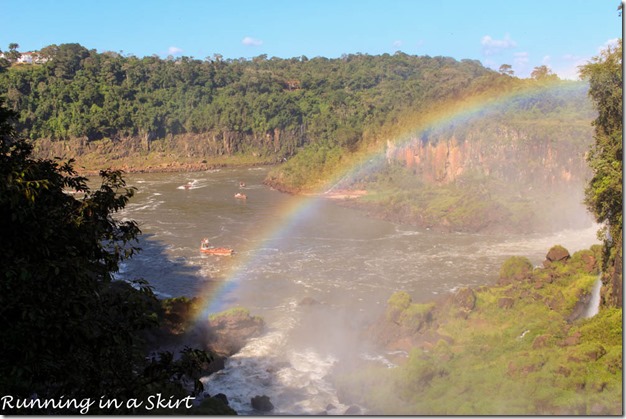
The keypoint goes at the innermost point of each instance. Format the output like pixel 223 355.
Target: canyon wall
pixel 511 154
pixel 129 152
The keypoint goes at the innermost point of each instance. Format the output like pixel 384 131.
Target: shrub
pixel 515 267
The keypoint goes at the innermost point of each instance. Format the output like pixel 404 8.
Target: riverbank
pixel 132 156
pixel 537 342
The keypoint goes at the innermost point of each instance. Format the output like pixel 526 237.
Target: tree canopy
pixel 604 194
pixel 67 327
pixel 79 93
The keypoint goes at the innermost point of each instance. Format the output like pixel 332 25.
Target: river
pixel 291 247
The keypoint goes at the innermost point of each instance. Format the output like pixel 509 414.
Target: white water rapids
pixel 348 263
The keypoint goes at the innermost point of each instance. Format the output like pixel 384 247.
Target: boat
pixel 205 247
pixel 240 196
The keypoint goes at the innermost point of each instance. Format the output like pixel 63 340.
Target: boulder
pixel 229 331
pixel 262 403
pixel 465 300
pixel 308 301
pixel 221 397
pixel 556 254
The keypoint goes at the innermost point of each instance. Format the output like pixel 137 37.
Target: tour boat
pixel 240 196
pixel 205 247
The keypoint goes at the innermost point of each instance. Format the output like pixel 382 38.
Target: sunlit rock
pixel 228 331
pixel 556 254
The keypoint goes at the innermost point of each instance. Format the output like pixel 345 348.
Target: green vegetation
pixel 232 312
pixel 267 109
pixel 515 267
pixel 518 351
pixel 67 327
pixel 81 93
pixel 317 116
pixel 472 203
pixel 536 116
pixel 604 194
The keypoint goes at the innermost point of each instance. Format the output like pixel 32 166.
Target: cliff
pixel 516 154
pixel 516 176
pixel 183 152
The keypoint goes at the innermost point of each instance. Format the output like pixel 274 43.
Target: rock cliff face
pixel 184 147
pixel 511 154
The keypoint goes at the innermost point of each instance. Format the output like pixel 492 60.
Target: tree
pixel 506 69
pixel 13 54
pixel 543 72
pixel 67 328
pixel 604 194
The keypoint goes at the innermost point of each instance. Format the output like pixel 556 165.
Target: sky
pixel 524 34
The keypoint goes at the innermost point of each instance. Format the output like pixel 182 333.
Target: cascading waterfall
pixel 594 303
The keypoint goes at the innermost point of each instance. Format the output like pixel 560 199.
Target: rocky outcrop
pixel 556 254
pixel 465 300
pixel 229 331
pixel 513 154
pixel 261 403
pixel 406 325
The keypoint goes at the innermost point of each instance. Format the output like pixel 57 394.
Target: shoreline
pixel 168 168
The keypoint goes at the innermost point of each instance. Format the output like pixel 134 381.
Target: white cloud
pixel 397 44
pixel 520 58
pixel 546 60
pixel 495 46
pixel 174 50
pixel 569 66
pixel 251 41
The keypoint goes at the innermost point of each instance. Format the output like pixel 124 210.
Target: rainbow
pixel 414 126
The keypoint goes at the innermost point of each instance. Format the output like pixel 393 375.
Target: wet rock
pixel 221 397
pixel 465 299
pixel 580 307
pixel 229 331
pixel 308 301
pixel 262 403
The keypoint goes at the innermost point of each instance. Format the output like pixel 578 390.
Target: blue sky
pixel 525 34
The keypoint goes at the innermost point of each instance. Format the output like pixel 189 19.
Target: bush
pixel 516 268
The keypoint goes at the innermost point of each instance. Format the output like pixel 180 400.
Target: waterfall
pixel 594 303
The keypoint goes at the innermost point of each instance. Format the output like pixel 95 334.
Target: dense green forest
pixel 274 105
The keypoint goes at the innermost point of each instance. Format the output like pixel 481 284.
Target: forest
pixel 273 106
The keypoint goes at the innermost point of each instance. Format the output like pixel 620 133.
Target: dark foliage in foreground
pixel 67 328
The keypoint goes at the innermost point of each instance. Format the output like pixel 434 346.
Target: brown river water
pixel 288 248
